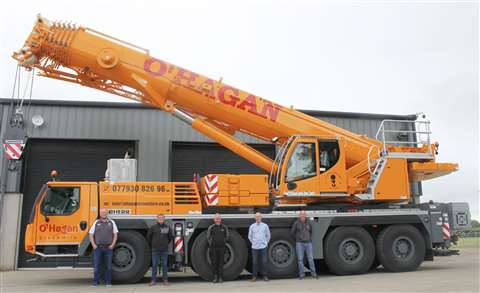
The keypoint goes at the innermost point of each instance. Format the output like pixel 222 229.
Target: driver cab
pixel 61 216
pixel 313 167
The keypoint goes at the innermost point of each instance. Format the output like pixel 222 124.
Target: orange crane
pixel 337 164
pixel 316 163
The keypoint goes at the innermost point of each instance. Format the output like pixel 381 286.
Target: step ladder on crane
pixel 412 133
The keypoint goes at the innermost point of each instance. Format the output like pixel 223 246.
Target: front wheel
pixel 131 258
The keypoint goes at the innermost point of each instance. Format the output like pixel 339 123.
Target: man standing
pixel 103 236
pixel 259 236
pixel 217 237
pixel 159 236
pixel 302 231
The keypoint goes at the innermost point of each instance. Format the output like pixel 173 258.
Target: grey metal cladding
pixel 153 130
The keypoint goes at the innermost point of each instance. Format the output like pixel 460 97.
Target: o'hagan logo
pixel 63 229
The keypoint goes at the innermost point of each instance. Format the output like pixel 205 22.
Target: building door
pixel 206 158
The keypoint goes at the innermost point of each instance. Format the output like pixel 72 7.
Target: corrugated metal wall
pixel 152 129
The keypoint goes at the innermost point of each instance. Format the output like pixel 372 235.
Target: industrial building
pixel 77 139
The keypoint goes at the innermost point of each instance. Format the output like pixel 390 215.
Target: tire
pixel 236 254
pixel 349 251
pixel 131 257
pixel 400 248
pixel 281 255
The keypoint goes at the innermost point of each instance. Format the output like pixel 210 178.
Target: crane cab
pixel 310 167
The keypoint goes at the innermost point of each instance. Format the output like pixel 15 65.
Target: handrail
pixel 420 131
pixel 368 157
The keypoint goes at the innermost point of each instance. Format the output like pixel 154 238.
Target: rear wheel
pixel 131 257
pixel 234 261
pixel 349 250
pixel 281 256
pixel 400 248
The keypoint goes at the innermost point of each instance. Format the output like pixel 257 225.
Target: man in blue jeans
pixel 259 236
pixel 302 231
pixel 159 237
pixel 103 236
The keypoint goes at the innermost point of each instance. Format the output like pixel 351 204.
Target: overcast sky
pixel 396 57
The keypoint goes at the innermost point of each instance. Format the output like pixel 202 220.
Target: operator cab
pixel 310 166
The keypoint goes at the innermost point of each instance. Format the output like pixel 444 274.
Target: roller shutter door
pixel 205 158
pixel 75 160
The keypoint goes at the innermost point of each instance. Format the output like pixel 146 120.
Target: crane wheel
pixel 349 251
pixel 131 257
pixel 236 254
pixel 281 255
pixel 400 248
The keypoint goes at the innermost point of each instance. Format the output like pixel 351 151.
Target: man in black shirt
pixel 217 236
pixel 159 237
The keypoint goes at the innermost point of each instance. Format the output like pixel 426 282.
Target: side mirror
pixel 291 185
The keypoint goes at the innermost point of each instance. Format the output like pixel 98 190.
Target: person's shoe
pixel 166 283
pixel 265 279
pixel 94 285
pixel 254 279
pixel 152 284
pixel 215 280
pixel 108 285
pixel 315 276
pixel 220 280
pixel 300 277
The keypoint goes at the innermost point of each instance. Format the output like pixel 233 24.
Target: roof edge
pixel 135 105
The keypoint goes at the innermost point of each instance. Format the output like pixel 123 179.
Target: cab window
pixel 302 163
pixel 329 155
pixel 60 201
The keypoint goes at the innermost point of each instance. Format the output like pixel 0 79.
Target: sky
pixel 395 57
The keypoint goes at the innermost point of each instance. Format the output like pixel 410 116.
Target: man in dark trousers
pixel 103 236
pixel 302 231
pixel 159 237
pixel 217 237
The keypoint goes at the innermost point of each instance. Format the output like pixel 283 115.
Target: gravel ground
pixel 454 273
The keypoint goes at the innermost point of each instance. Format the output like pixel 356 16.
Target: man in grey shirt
pixel 302 231
pixel 103 236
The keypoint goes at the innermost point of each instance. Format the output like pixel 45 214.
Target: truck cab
pixel 61 217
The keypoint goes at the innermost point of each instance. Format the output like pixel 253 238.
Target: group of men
pixel 103 237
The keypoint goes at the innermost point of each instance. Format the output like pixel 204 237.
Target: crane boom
pixel 218 110
pixel 106 63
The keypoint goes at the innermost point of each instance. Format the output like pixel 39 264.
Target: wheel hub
pixel 281 253
pixel 351 250
pixel 123 257
pixel 403 247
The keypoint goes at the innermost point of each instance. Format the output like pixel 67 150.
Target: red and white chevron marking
pixel 211 199
pixel 446 231
pixel 13 151
pixel 211 184
pixel 211 189
pixel 178 245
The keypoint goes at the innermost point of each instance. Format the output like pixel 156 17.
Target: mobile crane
pixel 357 188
